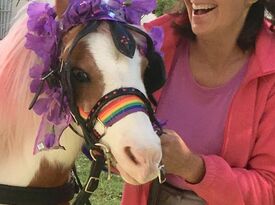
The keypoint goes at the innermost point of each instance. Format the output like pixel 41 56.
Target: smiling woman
pixel 218 103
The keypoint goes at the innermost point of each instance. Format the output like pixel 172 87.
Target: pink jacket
pixel 244 173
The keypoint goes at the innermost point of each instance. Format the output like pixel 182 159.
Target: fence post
pixel 5 16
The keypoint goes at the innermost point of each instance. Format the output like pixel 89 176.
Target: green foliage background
pixel 164 5
pixel 109 192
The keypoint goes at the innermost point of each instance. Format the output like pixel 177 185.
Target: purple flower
pixel 80 12
pixel 41 106
pixel 49 140
pixel 133 9
pixel 48 135
pixel 44 47
pixel 137 8
pixel 157 36
pixel 50 106
pixel 41 17
pixel 35 73
pixel 43 38
pixel 43 33
pixel 129 11
pixel 53 122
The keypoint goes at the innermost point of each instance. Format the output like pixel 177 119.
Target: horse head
pixel 105 68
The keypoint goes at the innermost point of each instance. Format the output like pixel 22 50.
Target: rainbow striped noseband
pixel 118 109
pixel 116 105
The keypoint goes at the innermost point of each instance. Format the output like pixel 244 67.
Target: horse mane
pixel 15 61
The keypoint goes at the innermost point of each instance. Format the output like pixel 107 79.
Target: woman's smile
pixel 201 9
pixel 214 18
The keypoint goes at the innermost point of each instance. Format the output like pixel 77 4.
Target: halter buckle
pixel 161 175
pixel 101 132
pixel 44 77
pixel 61 65
pixel 89 188
pixel 92 155
pixel 108 157
pixel 74 118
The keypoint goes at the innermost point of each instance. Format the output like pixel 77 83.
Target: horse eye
pixel 81 76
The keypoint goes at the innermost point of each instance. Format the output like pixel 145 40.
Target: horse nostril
pixel 130 154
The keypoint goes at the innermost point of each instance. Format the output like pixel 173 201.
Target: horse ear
pixel 61 6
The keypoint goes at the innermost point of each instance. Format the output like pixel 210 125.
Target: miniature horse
pixel 98 68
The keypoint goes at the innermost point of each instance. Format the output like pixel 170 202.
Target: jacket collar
pixel 262 62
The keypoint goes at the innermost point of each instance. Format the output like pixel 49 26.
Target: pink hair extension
pixel 16 122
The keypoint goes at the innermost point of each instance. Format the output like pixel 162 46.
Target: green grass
pixel 108 192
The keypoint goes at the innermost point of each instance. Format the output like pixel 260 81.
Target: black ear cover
pixel 123 39
pixel 154 76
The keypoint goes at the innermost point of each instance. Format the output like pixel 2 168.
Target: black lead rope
pixel 92 182
pixel 155 187
pixel 79 184
pixel 154 192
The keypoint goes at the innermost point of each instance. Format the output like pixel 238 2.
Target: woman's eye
pixel 81 76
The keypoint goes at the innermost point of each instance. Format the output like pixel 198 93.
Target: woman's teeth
pixel 202 8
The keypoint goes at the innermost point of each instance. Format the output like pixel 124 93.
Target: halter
pixel 116 109
pixel 116 105
pixel 88 120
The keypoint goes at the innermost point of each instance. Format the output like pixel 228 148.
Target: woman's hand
pixel 179 160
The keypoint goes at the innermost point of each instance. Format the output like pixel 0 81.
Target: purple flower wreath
pixel 43 38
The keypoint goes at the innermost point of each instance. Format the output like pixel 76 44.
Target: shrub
pixel 163 6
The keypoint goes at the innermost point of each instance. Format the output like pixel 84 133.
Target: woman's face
pixel 216 17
